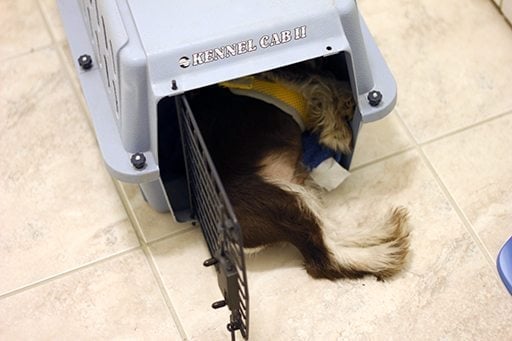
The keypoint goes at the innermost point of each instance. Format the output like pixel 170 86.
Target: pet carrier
pixel 137 60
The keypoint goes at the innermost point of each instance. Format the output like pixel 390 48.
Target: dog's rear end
pixel 257 151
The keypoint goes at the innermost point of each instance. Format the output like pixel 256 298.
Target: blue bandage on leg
pixel 322 162
pixel 315 153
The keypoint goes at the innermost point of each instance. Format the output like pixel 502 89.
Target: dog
pixel 257 151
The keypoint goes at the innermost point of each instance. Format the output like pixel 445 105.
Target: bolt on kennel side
pixel 137 60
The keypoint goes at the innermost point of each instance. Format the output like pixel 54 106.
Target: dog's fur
pixel 257 151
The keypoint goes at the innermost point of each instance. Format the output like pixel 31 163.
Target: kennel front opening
pixel 171 160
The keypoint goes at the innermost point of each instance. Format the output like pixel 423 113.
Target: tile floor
pixel 85 258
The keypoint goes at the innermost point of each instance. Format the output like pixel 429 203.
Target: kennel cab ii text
pixel 243 47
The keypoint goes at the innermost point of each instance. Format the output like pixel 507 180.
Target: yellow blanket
pixel 277 94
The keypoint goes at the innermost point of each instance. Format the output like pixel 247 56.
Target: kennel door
pixel 212 209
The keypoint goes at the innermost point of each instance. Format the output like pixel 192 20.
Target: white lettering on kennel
pixel 282 37
pixel 300 32
pixel 243 47
pixel 222 52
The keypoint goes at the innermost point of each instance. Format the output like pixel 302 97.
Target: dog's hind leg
pixel 381 252
pixel 278 211
pixel 270 214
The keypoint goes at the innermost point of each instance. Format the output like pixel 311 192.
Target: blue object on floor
pixel 505 264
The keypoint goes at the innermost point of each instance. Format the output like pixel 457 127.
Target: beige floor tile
pixel 58 206
pixel 22 28
pixel 192 288
pixel 154 225
pixel 117 299
pixel 448 290
pixel 52 15
pixel 476 166
pixel 458 299
pixel 70 63
pixel 380 139
pixel 449 58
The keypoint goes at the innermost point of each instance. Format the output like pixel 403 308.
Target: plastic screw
pixel 138 160
pixel 218 304
pixel 374 98
pixel 210 262
pixel 233 326
pixel 85 61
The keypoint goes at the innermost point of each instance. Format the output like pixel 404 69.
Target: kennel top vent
pixel 143 51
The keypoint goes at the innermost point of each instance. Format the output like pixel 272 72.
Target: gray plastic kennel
pixel 138 59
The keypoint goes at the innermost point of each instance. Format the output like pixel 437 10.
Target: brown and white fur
pixel 257 151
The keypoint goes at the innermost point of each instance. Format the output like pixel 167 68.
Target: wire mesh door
pixel 211 207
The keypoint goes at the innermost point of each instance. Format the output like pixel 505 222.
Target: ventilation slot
pixel 106 70
pixel 115 98
pixel 103 48
pixel 104 32
pixel 97 13
pixel 113 59
pixel 90 20
pixel 97 39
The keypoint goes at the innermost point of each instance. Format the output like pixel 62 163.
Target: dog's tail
pixel 355 252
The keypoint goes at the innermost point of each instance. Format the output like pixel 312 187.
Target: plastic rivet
pixel 138 160
pixel 232 327
pixel 218 304
pixel 374 98
pixel 210 262
pixel 85 61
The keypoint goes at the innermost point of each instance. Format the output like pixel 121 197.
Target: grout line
pixel 28 52
pixel 32 50
pixel 165 294
pixel 47 21
pixel 384 158
pixel 135 221
pixel 460 130
pixel 67 273
pixel 172 235
pixel 151 261
pixel 462 216
pixel 77 90
pixel 130 211
pixel 67 68
pixel 497 5
pixel 411 145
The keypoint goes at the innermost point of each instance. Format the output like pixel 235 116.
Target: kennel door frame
pixel 211 207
